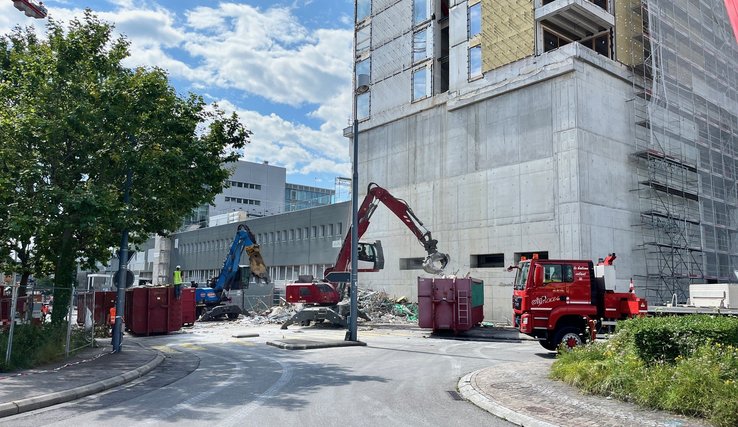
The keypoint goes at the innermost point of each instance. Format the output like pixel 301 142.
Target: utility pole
pixel 122 273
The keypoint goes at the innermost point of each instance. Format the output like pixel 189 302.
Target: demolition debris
pixel 378 306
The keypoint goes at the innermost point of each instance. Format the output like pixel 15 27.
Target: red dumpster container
pixel 188 306
pixel 152 311
pixel 450 304
pixel 104 300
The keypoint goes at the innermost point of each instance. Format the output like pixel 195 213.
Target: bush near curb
pixel 666 338
pixel 36 345
pixel 701 380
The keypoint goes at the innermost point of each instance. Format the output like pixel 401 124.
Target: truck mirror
pixel 538 276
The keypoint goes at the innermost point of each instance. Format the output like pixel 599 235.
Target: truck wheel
pixel 569 336
pixel 548 345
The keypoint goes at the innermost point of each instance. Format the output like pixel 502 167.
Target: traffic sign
pixel 338 276
pixel 129 278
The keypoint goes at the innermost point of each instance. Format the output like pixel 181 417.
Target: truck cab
pixel 569 301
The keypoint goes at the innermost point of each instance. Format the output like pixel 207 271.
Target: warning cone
pixel 631 289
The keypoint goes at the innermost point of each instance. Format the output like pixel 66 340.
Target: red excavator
pixel 31 9
pixel 322 298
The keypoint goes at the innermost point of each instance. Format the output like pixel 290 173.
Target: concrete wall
pixel 537 164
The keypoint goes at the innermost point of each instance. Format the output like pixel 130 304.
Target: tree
pixel 73 123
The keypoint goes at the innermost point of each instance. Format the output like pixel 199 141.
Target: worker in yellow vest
pixel 177 282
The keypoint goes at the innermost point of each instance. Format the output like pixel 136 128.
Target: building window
pixel 475 61
pixel 421 83
pixel 487 261
pixel 339 230
pixel 363 39
pixel 362 106
pixel 363 9
pixel 420 45
pixel 307 233
pixel 421 11
pixel 475 20
pixel 411 263
pixel 363 67
pixel 553 41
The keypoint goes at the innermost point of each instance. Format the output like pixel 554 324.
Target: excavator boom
pixel 434 263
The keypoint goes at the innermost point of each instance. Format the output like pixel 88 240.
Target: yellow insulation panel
pixel 628 32
pixel 508 32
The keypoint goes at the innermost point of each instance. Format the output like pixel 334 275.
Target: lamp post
pixel 361 86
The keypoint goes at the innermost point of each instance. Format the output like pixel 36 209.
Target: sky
pixel 284 66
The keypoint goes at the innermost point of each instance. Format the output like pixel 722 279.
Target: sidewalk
pixel 523 394
pixel 90 371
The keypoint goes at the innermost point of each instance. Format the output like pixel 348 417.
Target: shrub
pixel 35 345
pixel 700 380
pixel 657 339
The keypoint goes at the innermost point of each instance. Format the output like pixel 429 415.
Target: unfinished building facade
pixel 566 128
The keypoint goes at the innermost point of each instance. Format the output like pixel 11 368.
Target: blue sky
pixel 284 67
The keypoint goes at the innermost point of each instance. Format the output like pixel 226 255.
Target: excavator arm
pixel 231 273
pixel 434 263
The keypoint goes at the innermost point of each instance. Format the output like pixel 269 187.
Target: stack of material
pixel 383 309
pixel 379 306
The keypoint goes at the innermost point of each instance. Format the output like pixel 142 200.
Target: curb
pixel 38 402
pixel 470 393
pixel 307 345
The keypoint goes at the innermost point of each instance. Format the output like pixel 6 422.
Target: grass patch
pixel 697 378
pixel 36 345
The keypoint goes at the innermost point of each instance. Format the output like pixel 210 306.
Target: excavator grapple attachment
pixel 256 261
pixel 435 263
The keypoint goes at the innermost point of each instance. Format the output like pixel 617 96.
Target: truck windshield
pixel 522 276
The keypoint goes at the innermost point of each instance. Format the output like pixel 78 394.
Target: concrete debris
pixel 378 305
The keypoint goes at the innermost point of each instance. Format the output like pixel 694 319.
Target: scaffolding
pixel 685 69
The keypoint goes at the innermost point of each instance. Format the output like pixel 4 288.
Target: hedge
pixel 663 339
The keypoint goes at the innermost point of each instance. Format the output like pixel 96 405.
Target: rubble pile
pixel 383 309
pixel 276 315
pixel 378 305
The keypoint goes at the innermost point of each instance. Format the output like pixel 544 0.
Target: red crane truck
pixel 322 297
pixel 569 301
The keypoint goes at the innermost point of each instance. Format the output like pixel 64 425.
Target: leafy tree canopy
pixel 73 123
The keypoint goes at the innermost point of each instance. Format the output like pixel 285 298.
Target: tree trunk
pixel 63 278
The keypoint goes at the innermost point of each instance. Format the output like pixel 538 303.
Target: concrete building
pixel 567 128
pixel 294 243
pixel 298 197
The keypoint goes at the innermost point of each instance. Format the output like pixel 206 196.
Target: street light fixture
pixel 362 86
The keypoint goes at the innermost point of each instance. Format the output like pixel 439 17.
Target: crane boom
pixel 375 195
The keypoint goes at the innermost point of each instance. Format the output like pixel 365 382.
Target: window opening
pixel 474 27
pixel 475 61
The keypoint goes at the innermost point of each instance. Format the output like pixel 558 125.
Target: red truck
pixel 569 301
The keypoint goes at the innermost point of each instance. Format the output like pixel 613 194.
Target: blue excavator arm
pixel 231 273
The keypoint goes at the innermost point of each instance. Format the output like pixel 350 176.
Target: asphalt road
pixel 209 378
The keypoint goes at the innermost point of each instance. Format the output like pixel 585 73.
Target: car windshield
pixel 522 276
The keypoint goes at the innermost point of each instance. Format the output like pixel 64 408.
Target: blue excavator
pixel 212 302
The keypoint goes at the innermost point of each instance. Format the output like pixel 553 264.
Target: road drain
pixel 455 395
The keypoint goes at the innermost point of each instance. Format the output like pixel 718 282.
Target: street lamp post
pixel 361 86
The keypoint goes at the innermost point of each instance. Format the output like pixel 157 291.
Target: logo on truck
pixel 543 300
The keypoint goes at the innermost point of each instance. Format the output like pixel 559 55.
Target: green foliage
pixel 701 381
pixel 35 345
pixel 665 338
pixel 73 123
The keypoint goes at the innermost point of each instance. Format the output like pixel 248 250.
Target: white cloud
pixel 265 52
pixel 297 147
